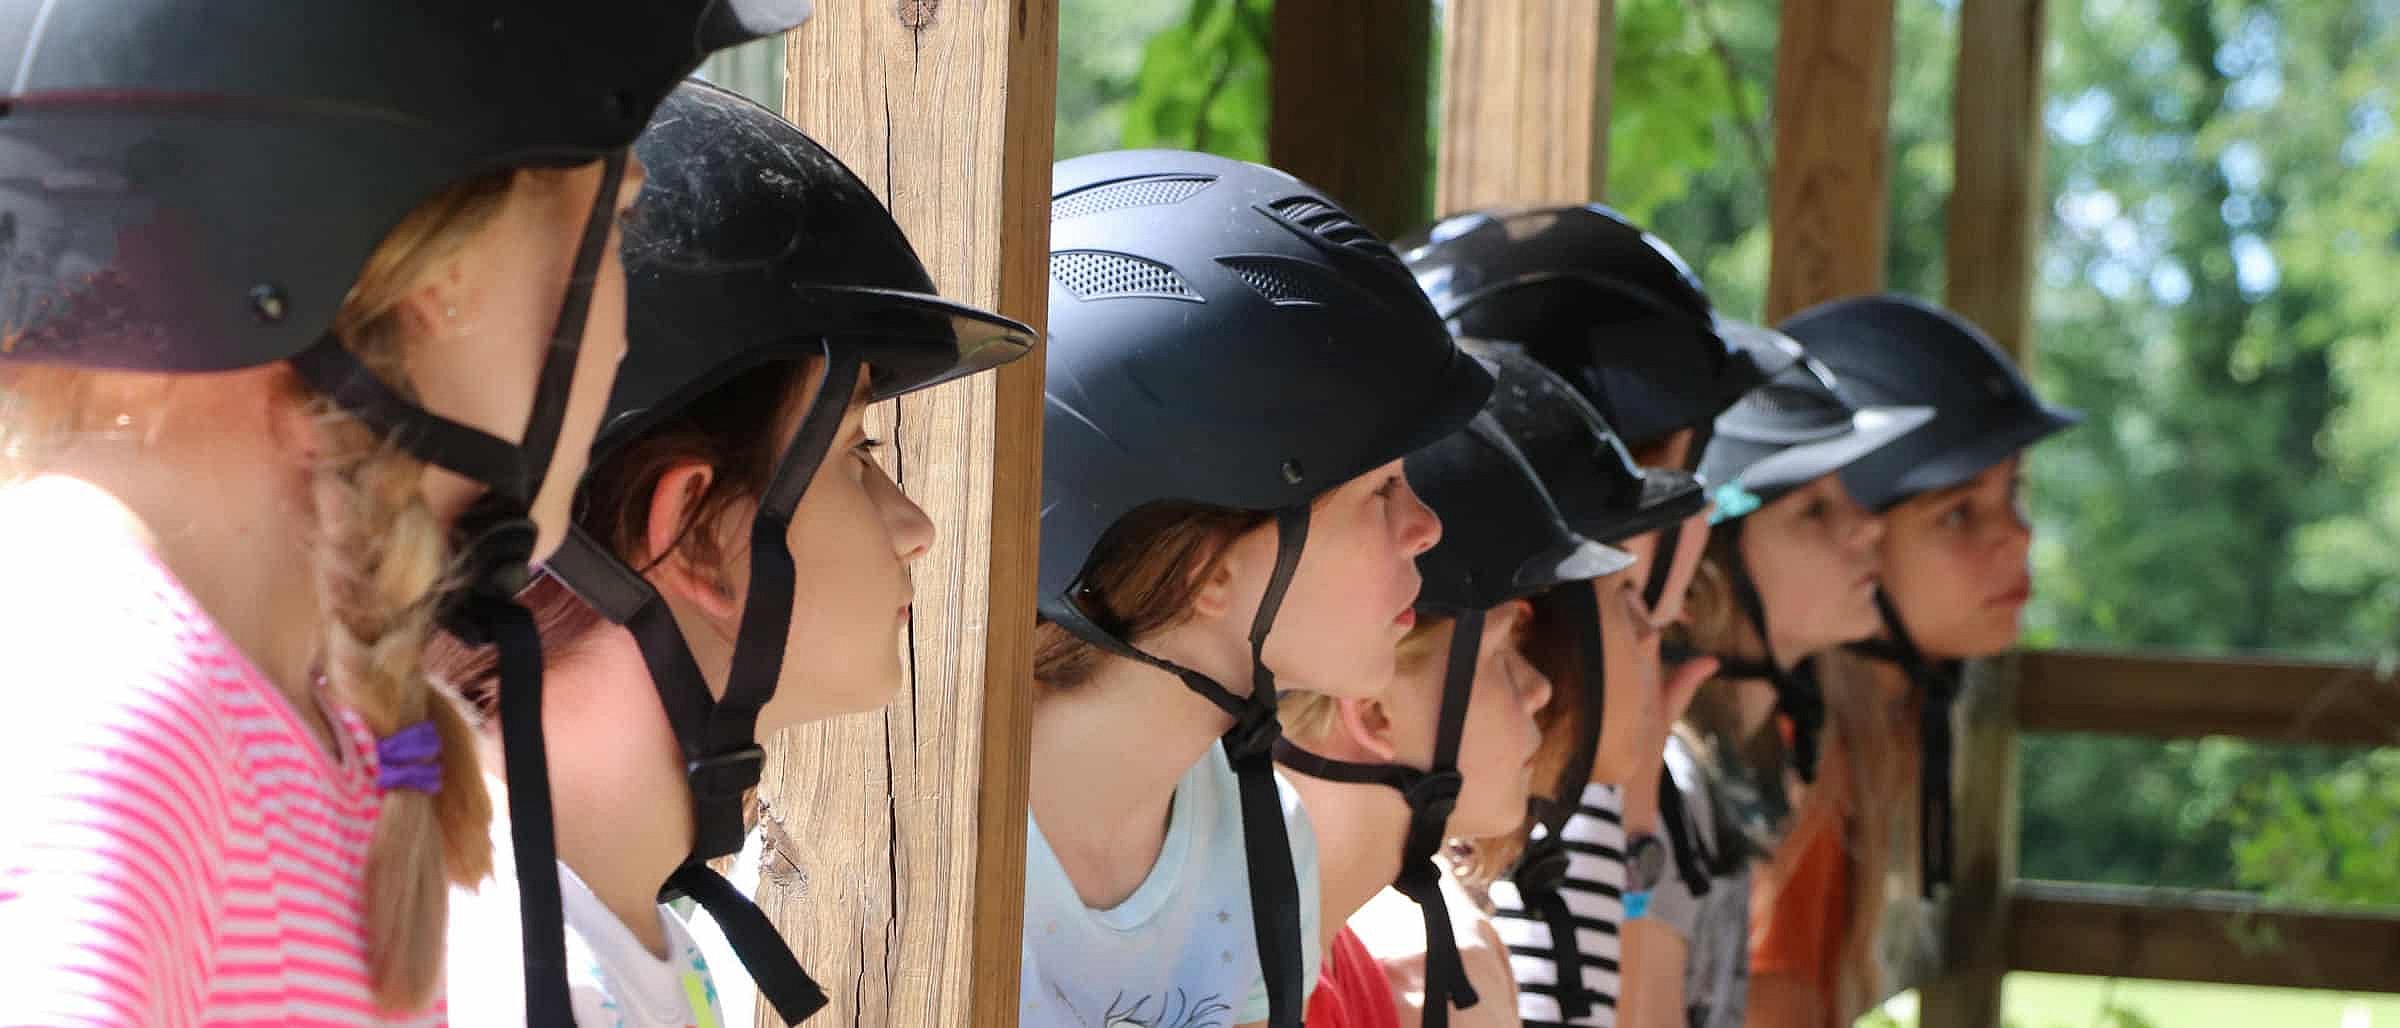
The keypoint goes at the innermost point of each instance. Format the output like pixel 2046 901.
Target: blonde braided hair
pixel 382 557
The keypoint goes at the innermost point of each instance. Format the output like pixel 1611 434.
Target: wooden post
pixel 1996 146
pixel 1827 195
pixel 1347 111
pixel 1996 151
pixel 1525 92
pixel 1984 855
pixel 898 837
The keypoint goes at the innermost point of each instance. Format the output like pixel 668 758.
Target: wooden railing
pixel 1997 923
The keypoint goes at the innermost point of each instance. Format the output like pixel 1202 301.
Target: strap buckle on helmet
pixel 724 776
pixel 1434 794
pixel 1253 735
pixel 496 564
pixel 1543 869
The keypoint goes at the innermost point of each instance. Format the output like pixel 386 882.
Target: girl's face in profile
pixel 1954 565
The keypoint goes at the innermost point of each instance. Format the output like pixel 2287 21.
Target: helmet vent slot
pixel 1283 283
pixel 1117 196
pixel 1334 226
pixel 1100 275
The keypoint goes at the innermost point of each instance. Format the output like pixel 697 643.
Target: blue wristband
pixel 1637 905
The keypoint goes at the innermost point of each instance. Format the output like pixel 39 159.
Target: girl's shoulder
pixel 88 604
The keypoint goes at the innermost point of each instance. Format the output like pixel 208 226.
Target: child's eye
pixel 1955 517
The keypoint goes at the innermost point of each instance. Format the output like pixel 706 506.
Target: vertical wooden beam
pixel 1827 196
pixel 899 836
pixel 1995 202
pixel 1348 98
pixel 1525 92
pixel 1984 857
pixel 1996 145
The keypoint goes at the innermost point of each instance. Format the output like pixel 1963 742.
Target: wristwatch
pixel 1652 888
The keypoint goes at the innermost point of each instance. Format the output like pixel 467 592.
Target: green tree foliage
pixel 1203 82
pixel 2328 838
pixel 1100 51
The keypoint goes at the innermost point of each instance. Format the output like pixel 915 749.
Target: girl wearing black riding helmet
pixel 1616 312
pixel 1235 370
pixel 1448 749
pixel 1587 491
pixel 1790 574
pixel 294 306
pixel 1954 581
pixel 773 298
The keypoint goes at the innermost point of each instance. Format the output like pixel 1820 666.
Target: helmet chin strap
pixel 719 736
pixel 1541 871
pixel 498 536
pixel 1797 695
pixel 1940 682
pixel 1250 749
pixel 1670 538
pixel 1431 796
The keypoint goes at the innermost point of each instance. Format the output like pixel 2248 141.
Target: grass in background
pixel 2069 1001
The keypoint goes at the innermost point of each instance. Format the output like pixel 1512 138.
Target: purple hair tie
pixel 410 758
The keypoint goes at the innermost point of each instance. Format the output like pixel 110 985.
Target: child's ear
pixel 674 503
pixel 1214 597
pixel 1366 725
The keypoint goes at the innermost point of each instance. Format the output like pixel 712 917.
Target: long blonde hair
pixel 1875 734
pixel 380 557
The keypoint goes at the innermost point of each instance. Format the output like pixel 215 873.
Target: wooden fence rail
pixel 2190 936
pixel 2188 698
pixel 1998 923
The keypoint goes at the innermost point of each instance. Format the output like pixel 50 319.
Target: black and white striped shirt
pixel 1594 889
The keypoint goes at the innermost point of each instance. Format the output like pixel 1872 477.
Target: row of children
pixel 1637 741
pixel 432 456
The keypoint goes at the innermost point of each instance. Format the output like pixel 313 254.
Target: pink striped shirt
pixel 175 847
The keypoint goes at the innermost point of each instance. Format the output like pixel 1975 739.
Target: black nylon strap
pixel 1579 605
pixel 1940 684
pixel 1431 796
pixel 1399 779
pixel 718 737
pixel 1797 696
pixel 1692 857
pixel 1266 843
pixel 1542 870
pixel 508 626
pixel 549 414
pixel 1249 747
pixel 755 942
pixel 513 471
pixel 329 368
pixel 1662 564
pixel 725 759
pixel 1670 538
pixel 1430 804
pixel 1541 878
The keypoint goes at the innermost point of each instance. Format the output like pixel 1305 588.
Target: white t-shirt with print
pixel 1178 953
pixel 612 979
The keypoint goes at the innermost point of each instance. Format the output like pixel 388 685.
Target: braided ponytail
pixel 382 557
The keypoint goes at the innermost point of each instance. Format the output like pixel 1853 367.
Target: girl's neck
pixel 1108 753
pixel 1359 830
pixel 621 810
